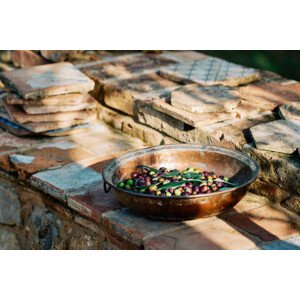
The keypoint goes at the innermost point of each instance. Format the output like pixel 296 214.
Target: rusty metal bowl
pixel 241 170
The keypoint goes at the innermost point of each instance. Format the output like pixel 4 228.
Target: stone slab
pixel 184 56
pixel 278 136
pixel 68 99
pixel 48 156
pixel 292 243
pixel 245 109
pixel 58 55
pixel 265 222
pixel 123 94
pixel 88 103
pixel 27 58
pixel 195 120
pixel 205 99
pixel 290 112
pixel 210 71
pixel 270 95
pixel 47 80
pixel 18 115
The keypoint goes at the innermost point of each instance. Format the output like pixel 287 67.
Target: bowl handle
pixel 106 186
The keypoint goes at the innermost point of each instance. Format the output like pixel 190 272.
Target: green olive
pixel 129 182
pixel 120 184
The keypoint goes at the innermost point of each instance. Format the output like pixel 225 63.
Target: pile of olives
pixel 164 182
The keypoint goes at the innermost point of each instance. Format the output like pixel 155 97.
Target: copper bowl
pixel 241 170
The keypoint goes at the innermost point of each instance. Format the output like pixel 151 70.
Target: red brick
pixel 27 58
pixel 266 223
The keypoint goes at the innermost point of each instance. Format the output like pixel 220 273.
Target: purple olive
pixel 204 189
pixel 220 184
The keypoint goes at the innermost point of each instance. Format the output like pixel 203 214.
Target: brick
pixel 270 95
pixel 124 94
pixel 48 156
pixel 195 120
pixel 202 99
pixel 278 136
pixel 131 228
pixel 47 80
pixel 68 99
pixel 69 179
pixel 18 115
pixel 292 243
pixel 210 71
pixel 93 203
pixel 88 103
pixel 265 223
pixel 212 235
pixel 27 58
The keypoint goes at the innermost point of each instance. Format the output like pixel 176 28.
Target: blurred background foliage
pixel 283 62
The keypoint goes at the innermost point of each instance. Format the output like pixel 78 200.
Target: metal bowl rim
pixel 221 150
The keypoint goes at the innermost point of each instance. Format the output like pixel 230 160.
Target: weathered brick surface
pixel 27 58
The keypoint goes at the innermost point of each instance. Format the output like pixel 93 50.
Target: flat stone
pixel 70 179
pixel 292 243
pixel 49 156
pixel 205 99
pixel 290 112
pixel 132 228
pixel 18 115
pixel 184 56
pixel 123 94
pixel 210 71
pixel 195 120
pixel 278 168
pixel 93 203
pixel 60 100
pixel 88 103
pixel 266 223
pixel 9 207
pixel 245 109
pixel 27 58
pixel 47 80
pixel 58 55
pixel 8 240
pixel 278 136
pixel 270 95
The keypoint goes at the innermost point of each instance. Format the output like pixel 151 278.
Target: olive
pixel 209 183
pixel 208 192
pixel 168 194
pixel 134 175
pixel 214 188
pixel 189 184
pixel 190 169
pixel 120 184
pixel 171 190
pixel 205 173
pixel 140 177
pixel 177 192
pixel 203 183
pixel 158 193
pixel 129 182
pixel 204 189
pixel 142 190
pixel 188 190
pixel 152 188
pixel 196 189
pixel 220 184
pixel 127 187
pixel 225 178
pixel 151 173
pixel 161 179
pixel 142 182
pixel 209 178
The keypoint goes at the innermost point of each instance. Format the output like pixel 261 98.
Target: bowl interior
pixel 238 167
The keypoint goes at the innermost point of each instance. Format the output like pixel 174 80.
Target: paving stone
pixel 205 99
pixel 60 100
pixel 48 156
pixel 278 136
pixel 93 203
pixel 195 120
pixel 18 115
pixel 245 109
pixel 278 168
pixel 47 80
pixel 123 94
pixel 265 222
pixel 210 71
pixel 290 112
pixel 27 58
pixel 292 243
pixel 270 95
pixel 213 235
pixel 132 228
pixel 88 103
pixel 67 180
